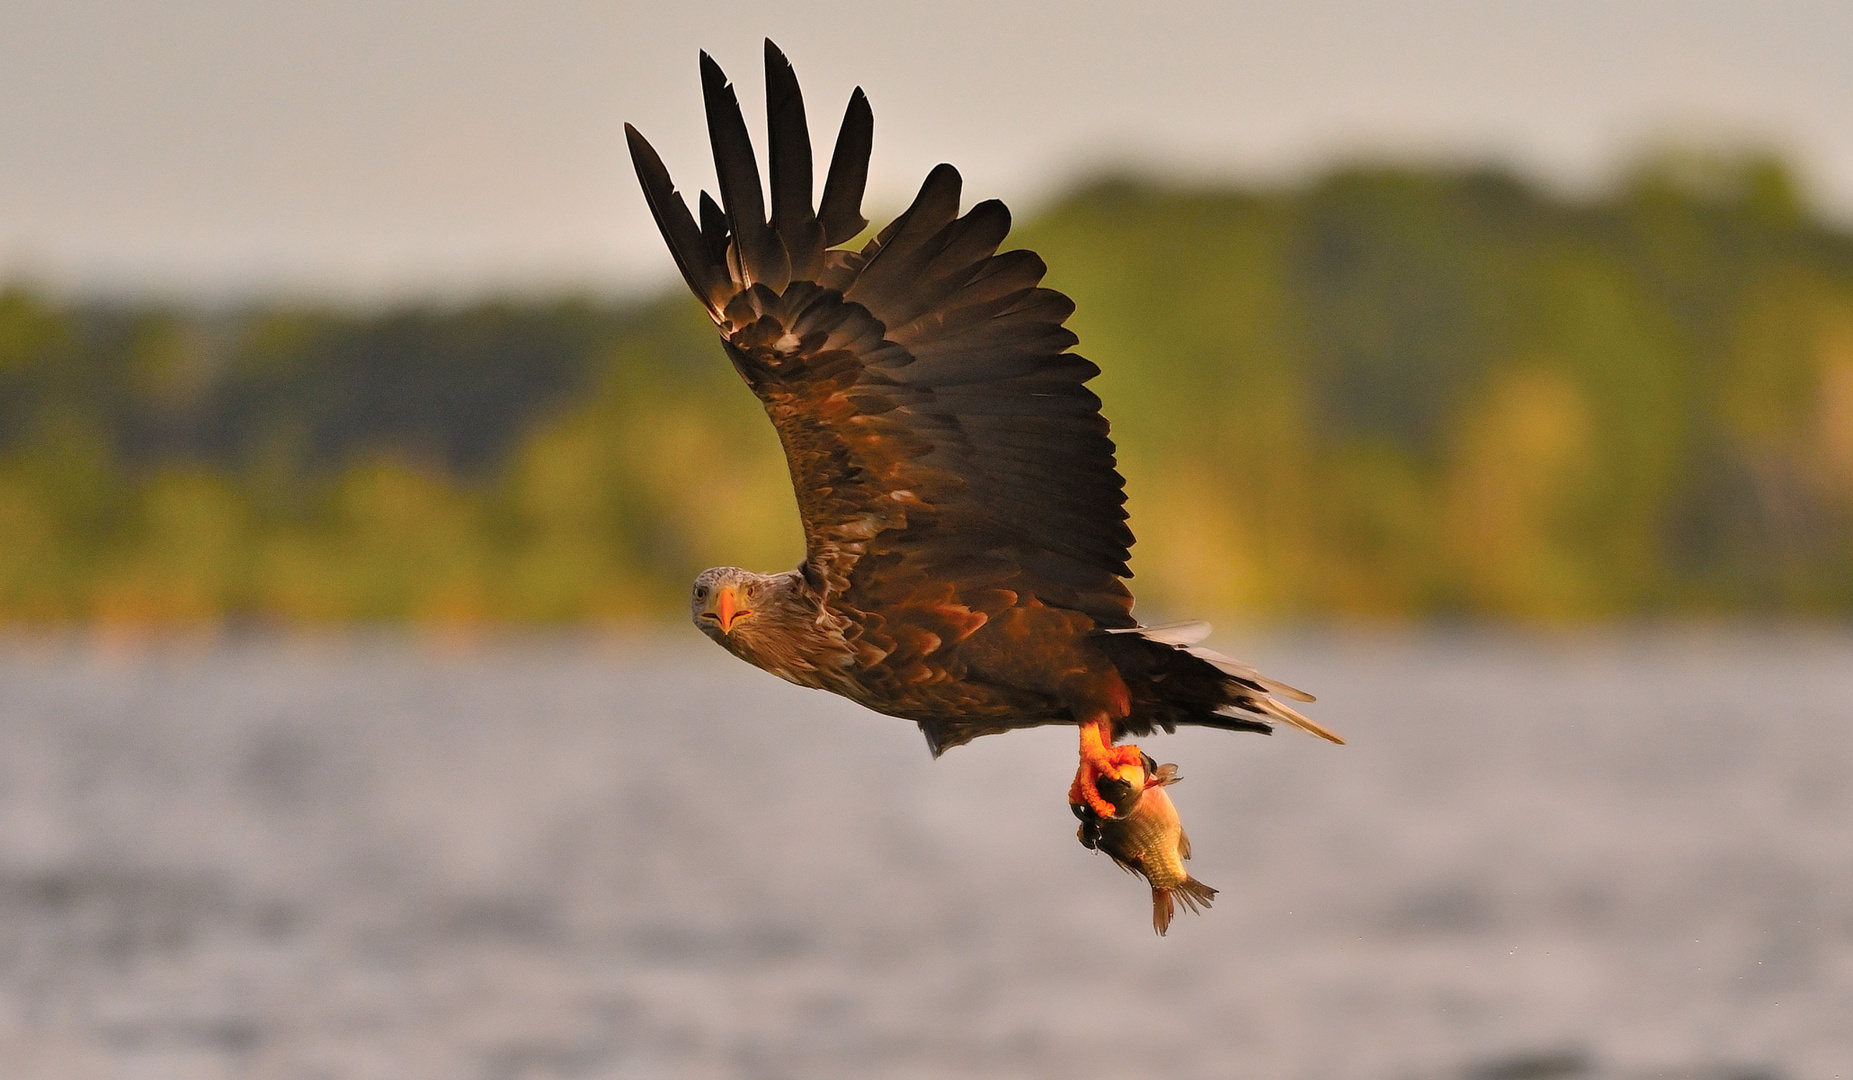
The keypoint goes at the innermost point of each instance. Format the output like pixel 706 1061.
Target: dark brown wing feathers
pixel 840 209
pixel 705 276
pixel 946 454
pixel 714 230
pixel 794 222
pixel 893 263
pixel 758 253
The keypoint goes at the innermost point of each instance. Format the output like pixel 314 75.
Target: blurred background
pixel 1487 367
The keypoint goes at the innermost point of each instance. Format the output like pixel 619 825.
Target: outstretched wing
pixel 946 453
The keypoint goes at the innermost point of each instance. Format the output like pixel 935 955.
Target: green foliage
pixel 1391 393
pixel 1422 393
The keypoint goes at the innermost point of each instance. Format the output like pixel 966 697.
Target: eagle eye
pixel 701 592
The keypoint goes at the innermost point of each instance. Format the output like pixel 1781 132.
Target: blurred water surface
pixel 1601 856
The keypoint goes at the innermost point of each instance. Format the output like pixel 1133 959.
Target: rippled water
pixel 1591 857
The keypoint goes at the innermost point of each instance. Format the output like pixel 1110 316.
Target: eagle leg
pixel 1099 757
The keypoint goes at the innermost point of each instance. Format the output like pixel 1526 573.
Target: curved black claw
pixel 1089 832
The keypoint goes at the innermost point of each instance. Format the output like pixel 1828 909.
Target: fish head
pixel 1122 791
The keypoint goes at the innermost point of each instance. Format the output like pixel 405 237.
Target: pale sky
pixel 379 149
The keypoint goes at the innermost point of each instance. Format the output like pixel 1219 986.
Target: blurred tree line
pixel 1390 392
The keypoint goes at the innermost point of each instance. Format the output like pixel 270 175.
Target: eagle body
pixel 966 539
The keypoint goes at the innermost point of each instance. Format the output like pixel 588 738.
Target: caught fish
pixel 1145 837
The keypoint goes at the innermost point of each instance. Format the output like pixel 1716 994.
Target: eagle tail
pixel 1280 710
pixel 1181 682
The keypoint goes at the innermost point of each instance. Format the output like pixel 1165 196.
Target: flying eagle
pixel 965 537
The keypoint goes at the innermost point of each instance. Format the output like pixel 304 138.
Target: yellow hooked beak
pixel 727 609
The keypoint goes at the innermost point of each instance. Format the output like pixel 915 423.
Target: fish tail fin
pixel 1194 892
pixel 1162 910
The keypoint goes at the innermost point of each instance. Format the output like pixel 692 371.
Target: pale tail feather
pixel 1232 666
pixel 1177 633
pixel 1186 635
pixel 1282 711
